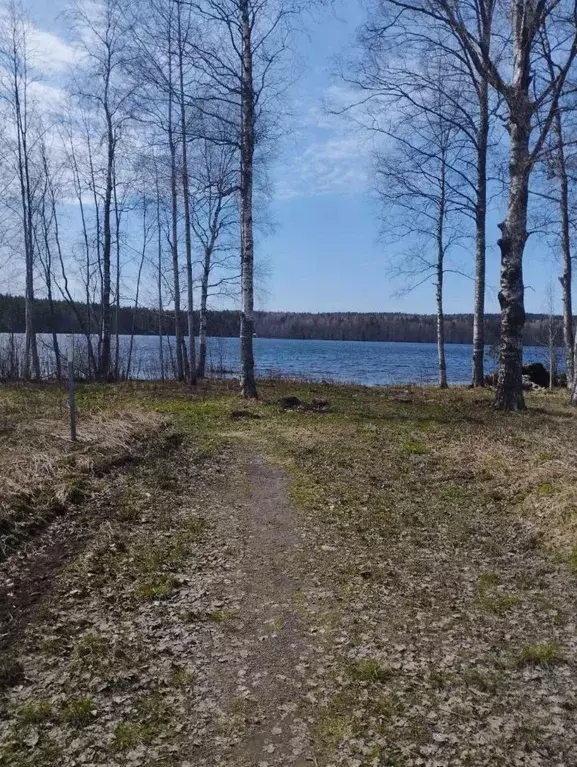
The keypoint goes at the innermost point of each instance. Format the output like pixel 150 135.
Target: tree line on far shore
pixel 61 318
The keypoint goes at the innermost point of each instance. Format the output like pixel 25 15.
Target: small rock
pixel 289 403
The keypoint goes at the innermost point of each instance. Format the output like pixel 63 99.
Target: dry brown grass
pixel 41 469
pixel 528 463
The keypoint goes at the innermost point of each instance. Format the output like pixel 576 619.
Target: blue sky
pixel 324 253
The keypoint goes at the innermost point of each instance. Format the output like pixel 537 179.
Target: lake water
pixel 365 362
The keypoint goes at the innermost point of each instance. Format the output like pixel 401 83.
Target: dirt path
pixel 272 663
pixel 171 633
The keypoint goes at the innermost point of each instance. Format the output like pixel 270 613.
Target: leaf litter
pixel 361 605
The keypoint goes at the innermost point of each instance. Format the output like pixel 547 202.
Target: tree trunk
pixel 117 287
pixel 31 359
pixel 105 351
pixel 441 331
pixel 480 236
pixel 174 243
pixel 574 387
pixel 201 371
pixel 31 326
pixel 509 394
pixel 247 140
pixel 186 207
pixel 552 357
pixel 159 283
pixel 31 347
pixel 439 285
pixel 87 327
pixel 99 247
pixel 566 277
pixel 136 300
pixel 48 270
pixel 55 344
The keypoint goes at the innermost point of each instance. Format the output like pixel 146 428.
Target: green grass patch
pixel 154 707
pixel 181 678
pixel 547 488
pixel 129 735
pixel 36 712
pixel 540 654
pixel 414 448
pixel 491 600
pixel 78 712
pixel 158 588
pixel 220 616
pixel 369 670
pixel 332 729
pixel 499 604
pixel 487 581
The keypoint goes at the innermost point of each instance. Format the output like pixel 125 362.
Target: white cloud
pixel 335 166
pixel 49 53
pixel 52 54
pixel 49 98
pixel 330 154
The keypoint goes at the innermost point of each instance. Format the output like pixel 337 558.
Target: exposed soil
pixel 29 577
pixel 278 652
pixel 29 574
pixel 232 624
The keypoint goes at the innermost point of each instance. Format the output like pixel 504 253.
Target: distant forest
pixel 336 326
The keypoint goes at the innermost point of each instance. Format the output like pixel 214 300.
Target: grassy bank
pixel 433 555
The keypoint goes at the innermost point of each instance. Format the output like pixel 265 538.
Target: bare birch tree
pixel 516 70
pixel 391 69
pixel 183 30
pixel 15 81
pixel 238 54
pixel 157 60
pixel 214 219
pixel 88 263
pixel 45 233
pixel 103 86
pixel 419 184
pixel 560 139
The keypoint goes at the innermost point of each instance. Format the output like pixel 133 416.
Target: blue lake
pixel 365 362
pixel 370 363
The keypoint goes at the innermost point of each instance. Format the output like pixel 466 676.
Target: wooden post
pixel 71 393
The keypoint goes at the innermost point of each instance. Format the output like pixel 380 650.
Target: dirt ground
pixel 391 581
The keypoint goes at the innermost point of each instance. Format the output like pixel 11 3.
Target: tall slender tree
pixel 183 27
pixel 419 182
pixel 157 53
pixel 390 70
pixel 215 217
pixel 559 142
pixel 237 54
pixel 102 85
pixel 517 72
pixel 16 79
